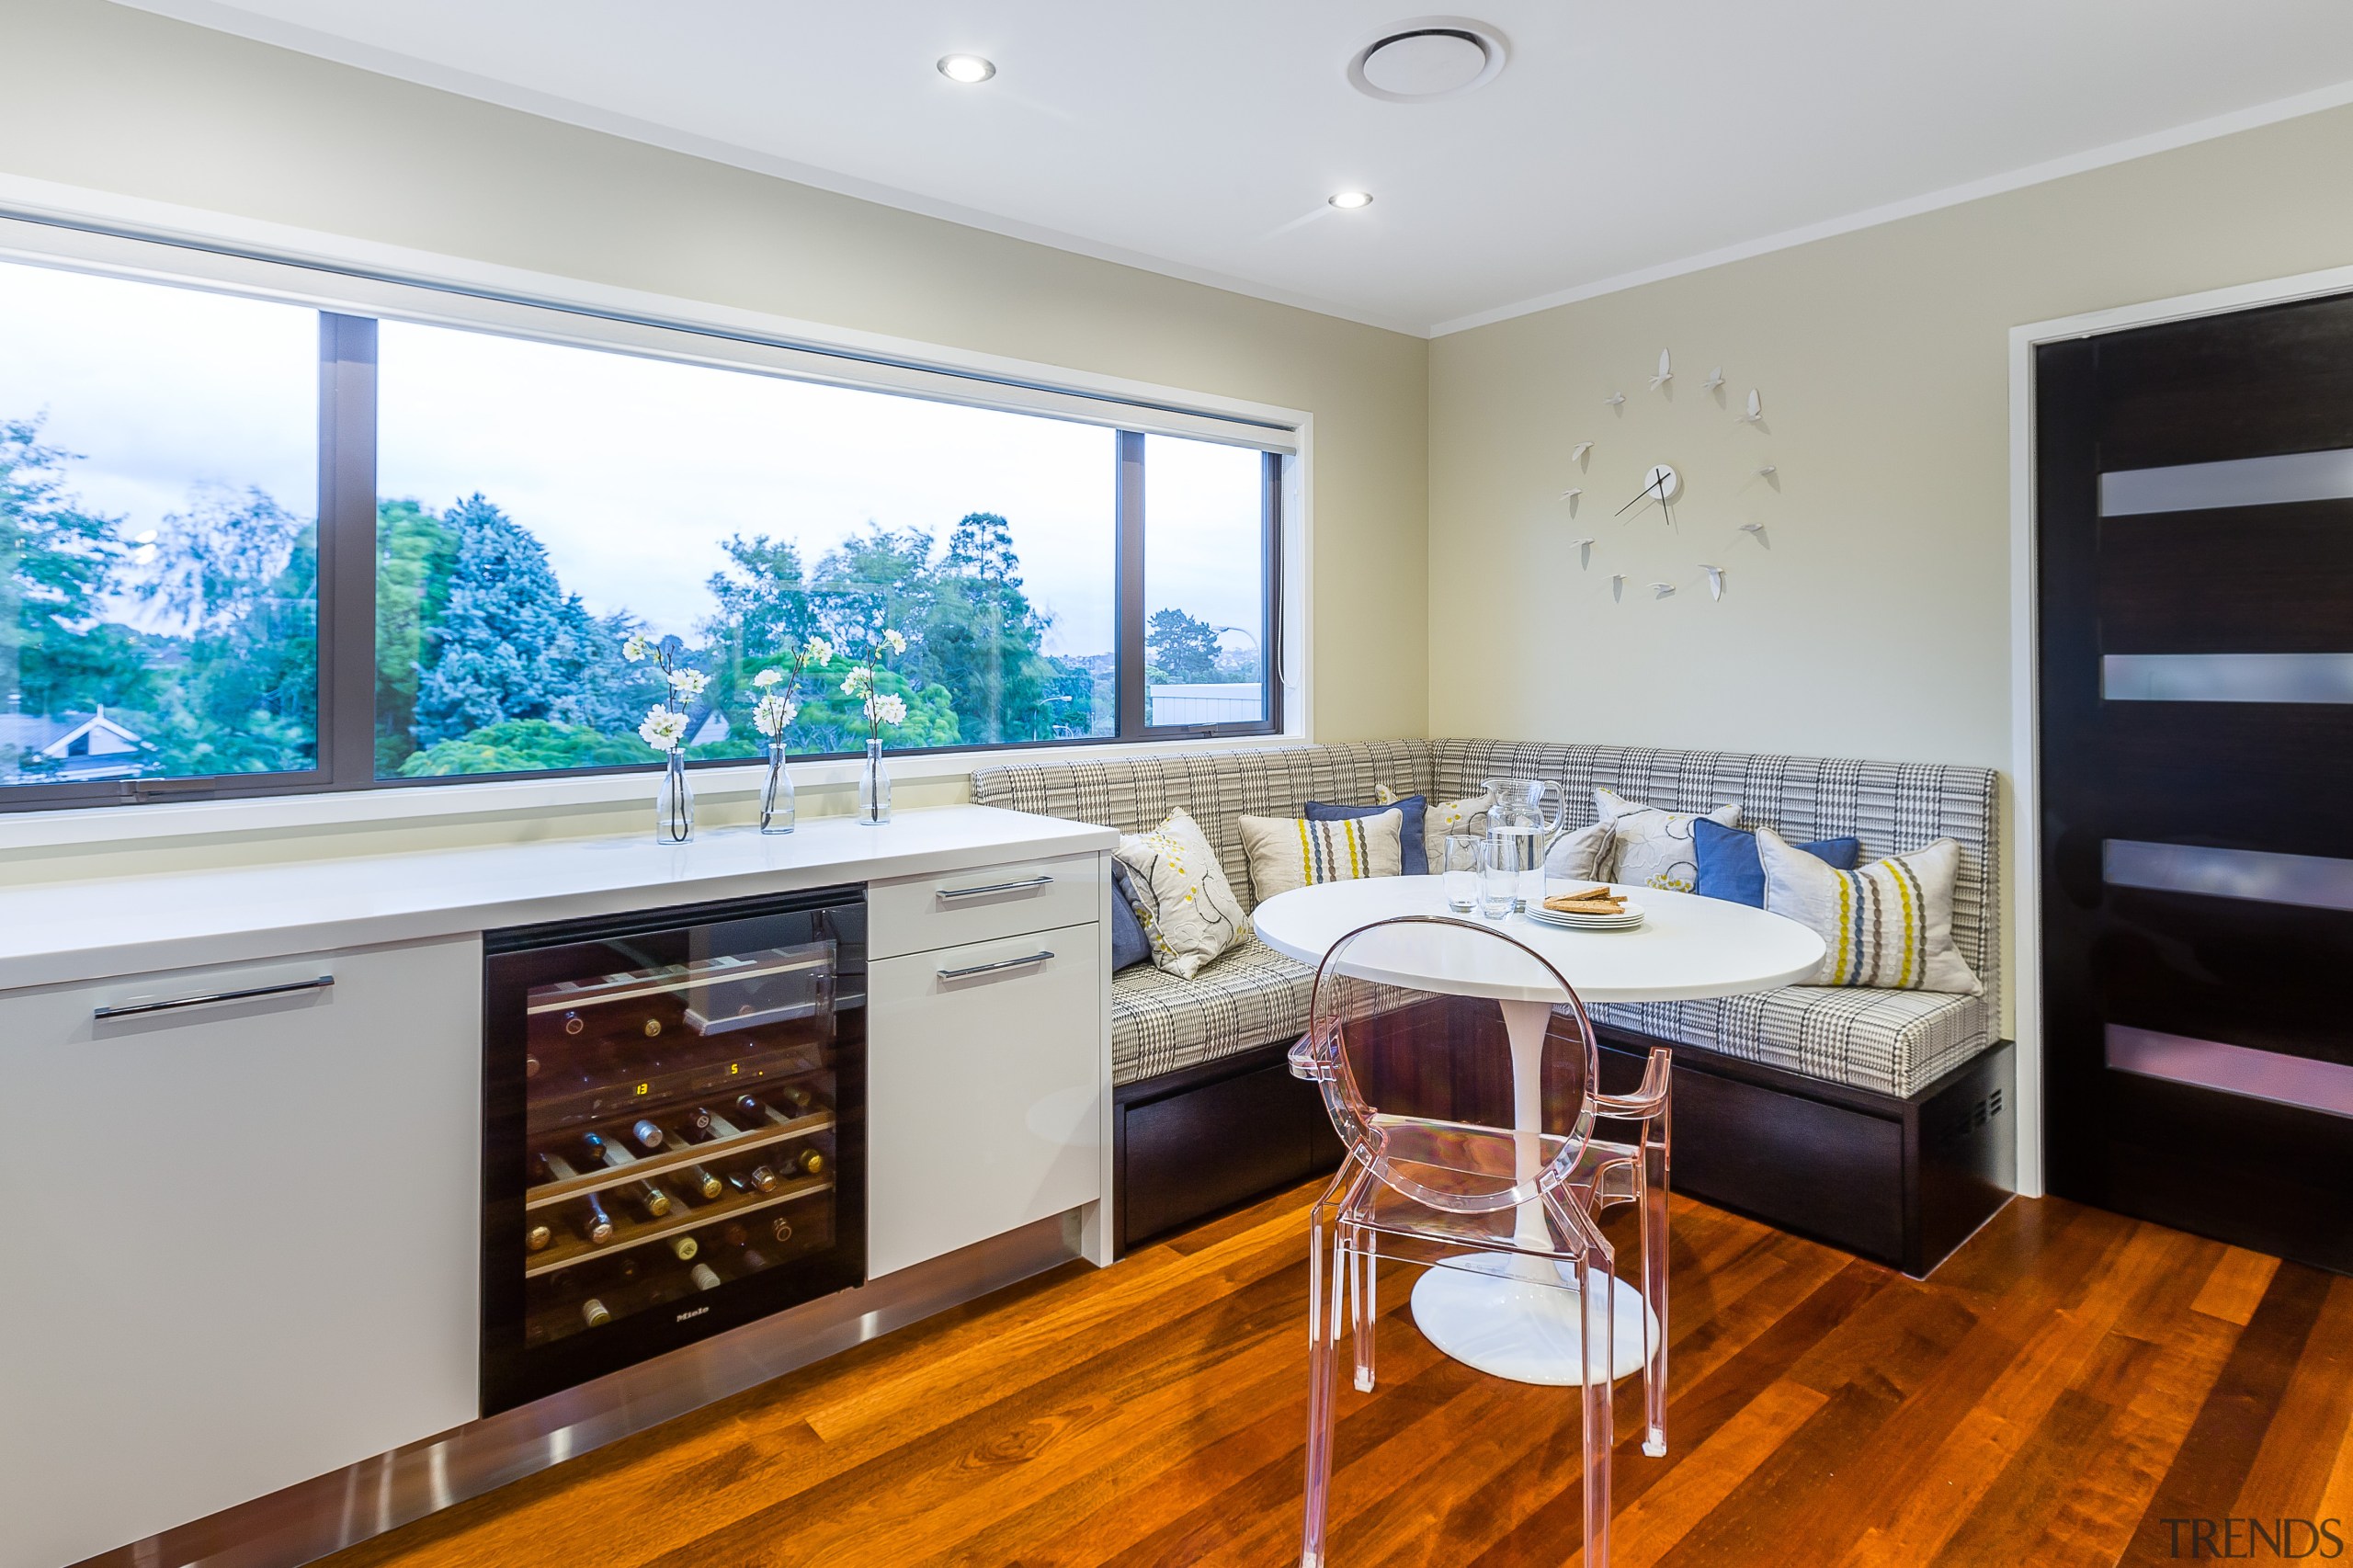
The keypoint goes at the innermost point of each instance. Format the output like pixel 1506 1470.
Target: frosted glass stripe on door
pixel 2311 882
pixel 2242 482
pixel 2233 1069
pixel 2226 677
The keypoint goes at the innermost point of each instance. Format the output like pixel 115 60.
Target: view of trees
pixel 201 636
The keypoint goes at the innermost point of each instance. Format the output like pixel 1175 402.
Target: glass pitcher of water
pixel 1519 829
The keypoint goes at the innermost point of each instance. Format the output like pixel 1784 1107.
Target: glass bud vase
pixel 776 795
pixel 673 804
pixel 874 788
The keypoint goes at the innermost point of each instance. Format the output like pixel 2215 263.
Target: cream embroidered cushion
pixel 1292 852
pixel 1887 925
pixel 1188 908
pixel 1581 856
pixel 1651 847
pixel 1445 817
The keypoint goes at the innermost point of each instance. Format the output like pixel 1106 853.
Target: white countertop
pixel 62 932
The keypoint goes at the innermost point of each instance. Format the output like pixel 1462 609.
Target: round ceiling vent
pixel 1430 58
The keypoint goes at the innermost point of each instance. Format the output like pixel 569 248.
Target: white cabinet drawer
pixel 917 915
pixel 243 1237
pixel 984 1091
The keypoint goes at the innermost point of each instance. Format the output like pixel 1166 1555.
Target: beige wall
pixel 1877 622
pixel 119 101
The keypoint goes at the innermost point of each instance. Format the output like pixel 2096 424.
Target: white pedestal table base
pixel 1522 1329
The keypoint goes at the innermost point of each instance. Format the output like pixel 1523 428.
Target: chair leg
pixel 1655 1293
pixel 1368 1255
pixel 1595 1274
pixel 1324 1292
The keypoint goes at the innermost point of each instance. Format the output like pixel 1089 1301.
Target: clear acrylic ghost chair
pixel 1470 1119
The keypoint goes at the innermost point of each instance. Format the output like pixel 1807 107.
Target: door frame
pixel 2026 656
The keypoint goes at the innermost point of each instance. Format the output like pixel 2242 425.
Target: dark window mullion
pixel 1130 660
pixel 347 550
pixel 1270 634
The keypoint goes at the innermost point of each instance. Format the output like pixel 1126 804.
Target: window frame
pixel 346 630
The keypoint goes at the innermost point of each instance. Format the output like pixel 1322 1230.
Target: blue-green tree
pixel 496 654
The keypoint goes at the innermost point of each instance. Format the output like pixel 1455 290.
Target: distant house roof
pixel 81 747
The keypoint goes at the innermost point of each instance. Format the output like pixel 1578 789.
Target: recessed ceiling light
pixel 966 68
pixel 1349 200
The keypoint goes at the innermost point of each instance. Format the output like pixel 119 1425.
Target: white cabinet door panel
pixel 240 1239
pixel 918 915
pixel 985 1098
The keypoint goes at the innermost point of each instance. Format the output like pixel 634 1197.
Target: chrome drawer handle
pixel 132 1009
pixel 971 970
pixel 949 894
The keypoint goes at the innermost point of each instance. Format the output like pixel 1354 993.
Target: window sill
pixel 538 803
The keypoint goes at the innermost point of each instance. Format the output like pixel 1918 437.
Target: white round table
pixel 1482 1313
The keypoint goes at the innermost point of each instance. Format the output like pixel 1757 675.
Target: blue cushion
pixel 1412 859
pixel 1731 869
pixel 1128 943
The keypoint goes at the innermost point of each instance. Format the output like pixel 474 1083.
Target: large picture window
pixel 175 620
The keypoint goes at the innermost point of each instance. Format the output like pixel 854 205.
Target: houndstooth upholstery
pixel 1891 1041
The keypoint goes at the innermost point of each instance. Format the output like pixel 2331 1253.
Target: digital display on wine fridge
pixel 674 1131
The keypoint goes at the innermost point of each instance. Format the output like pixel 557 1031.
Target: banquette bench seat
pixel 1878 1121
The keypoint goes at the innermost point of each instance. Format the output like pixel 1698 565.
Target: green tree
pixel 526 745
pixel 494 655
pixel 57 562
pixel 1180 649
pixel 832 721
pixel 983 641
pixel 416 554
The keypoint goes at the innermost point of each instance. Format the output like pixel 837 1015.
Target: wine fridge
pixel 674 1135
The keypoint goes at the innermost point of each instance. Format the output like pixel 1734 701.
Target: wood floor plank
pixel 2064 1383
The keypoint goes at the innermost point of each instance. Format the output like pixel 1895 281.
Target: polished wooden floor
pixel 2065 1384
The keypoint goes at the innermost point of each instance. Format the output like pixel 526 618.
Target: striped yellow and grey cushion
pixel 1134 793
pixel 1892 806
pixel 1248 998
pixel 1891 1041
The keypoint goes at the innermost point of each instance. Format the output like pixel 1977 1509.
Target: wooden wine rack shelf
pixel 647 1168
pixel 567 1250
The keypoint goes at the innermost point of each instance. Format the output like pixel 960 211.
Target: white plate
pixel 1631 917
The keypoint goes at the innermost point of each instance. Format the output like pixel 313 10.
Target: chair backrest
pixel 1456 1063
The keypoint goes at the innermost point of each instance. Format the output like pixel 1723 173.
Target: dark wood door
pixel 2195 516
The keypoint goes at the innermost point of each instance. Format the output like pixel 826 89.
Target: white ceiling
pixel 1200 137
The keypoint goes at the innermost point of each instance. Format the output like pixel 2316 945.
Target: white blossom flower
pixel 895 641
pixel 636 647
pixel 773 714
pixel 767 677
pixel 664 729
pixel 888 707
pixel 859 682
pixel 817 650
pixel 688 683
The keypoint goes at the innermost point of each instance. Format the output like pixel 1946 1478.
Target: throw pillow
pixel 1413 854
pixel 1650 847
pixel 1887 925
pixel 1581 856
pixel 1130 947
pixel 1451 816
pixel 1729 868
pixel 1296 852
pixel 1187 907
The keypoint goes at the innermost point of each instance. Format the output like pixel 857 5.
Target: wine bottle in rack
pixel 684 1248
pixel 574 1023
pixel 536 1238
pixel 756 1113
pixel 596 1225
pixel 780 1228
pixel 647 1135
pixel 705 1278
pixel 652 1200
pixel 604 1149
pixel 809 1162
pixel 698 1124
pixel 652 1028
pixel 595 1314
pixel 556 1167
pixel 766 1179
pixel 801 1101
pixel 720 1126
pixel 705 1183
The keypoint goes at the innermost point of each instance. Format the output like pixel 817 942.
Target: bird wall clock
pixel 1689 480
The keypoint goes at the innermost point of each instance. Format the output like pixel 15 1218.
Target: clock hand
pixel 1653 484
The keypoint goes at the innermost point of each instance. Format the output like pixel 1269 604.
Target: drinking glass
pixel 1498 883
pixel 1460 862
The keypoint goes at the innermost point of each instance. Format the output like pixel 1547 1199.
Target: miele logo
pixel 690 1313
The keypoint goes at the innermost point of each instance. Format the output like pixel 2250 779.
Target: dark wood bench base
pixel 1900 1180
pixel 1193 1144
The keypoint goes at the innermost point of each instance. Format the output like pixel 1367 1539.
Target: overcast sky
pixel 630 470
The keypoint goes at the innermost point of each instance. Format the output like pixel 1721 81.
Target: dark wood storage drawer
pixel 1214 1146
